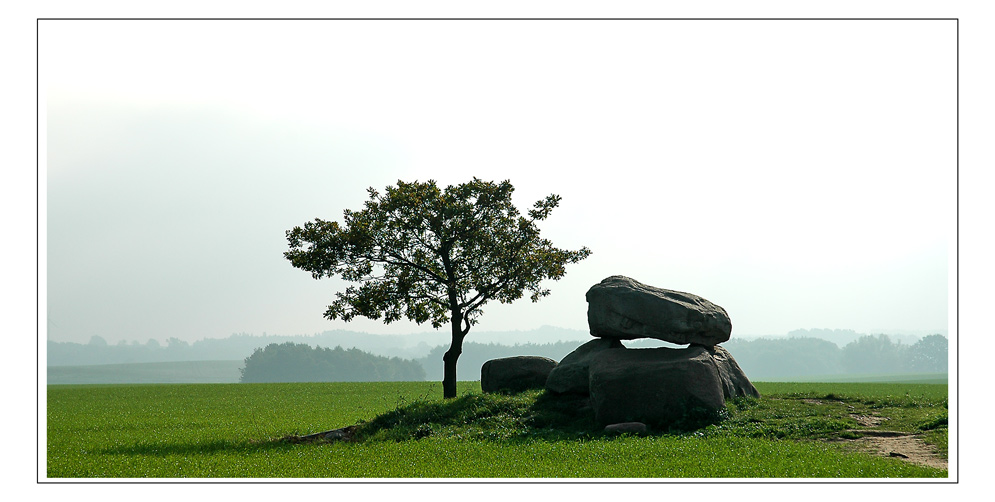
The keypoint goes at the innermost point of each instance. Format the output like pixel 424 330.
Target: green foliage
pixel 299 362
pixel 529 415
pixel 929 354
pixel 483 416
pixel 232 431
pixel 415 246
pixel 874 353
pixel 432 255
pixel 934 422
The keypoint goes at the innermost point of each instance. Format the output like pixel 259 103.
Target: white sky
pixel 802 174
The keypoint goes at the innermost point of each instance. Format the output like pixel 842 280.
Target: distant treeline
pixel 778 358
pixel 235 347
pixel 476 354
pixel 761 359
pixel 238 346
pixel 774 358
pixel 299 362
pixel 841 337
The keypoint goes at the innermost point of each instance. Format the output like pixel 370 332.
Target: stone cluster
pixel 652 386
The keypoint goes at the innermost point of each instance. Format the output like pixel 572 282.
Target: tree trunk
pixel 451 356
pixel 449 368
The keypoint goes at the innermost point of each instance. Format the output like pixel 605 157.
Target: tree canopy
pixel 433 255
pixel 299 362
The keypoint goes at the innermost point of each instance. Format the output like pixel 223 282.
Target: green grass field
pixel 235 431
pixel 937 378
pixel 166 372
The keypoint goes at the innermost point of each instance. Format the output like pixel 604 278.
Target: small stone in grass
pixel 627 427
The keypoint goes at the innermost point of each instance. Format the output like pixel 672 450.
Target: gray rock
pixel 627 428
pixel 653 386
pixel 515 374
pixel 734 381
pixel 623 308
pixel 570 375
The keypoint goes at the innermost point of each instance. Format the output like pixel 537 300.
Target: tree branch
pixel 402 262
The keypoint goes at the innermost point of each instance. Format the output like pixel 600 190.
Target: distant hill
pixel 778 358
pixel 842 337
pixel 240 346
pixel 174 372
pixel 300 362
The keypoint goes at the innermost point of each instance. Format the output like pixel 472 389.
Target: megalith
pixel 734 381
pixel 570 376
pixel 515 374
pixel 622 308
pixel 653 386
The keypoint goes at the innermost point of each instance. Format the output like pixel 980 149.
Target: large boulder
pixel 734 381
pixel 658 386
pixel 515 374
pixel 623 308
pixel 570 376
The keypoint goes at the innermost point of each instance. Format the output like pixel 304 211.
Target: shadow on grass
pixel 526 416
pixel 508 418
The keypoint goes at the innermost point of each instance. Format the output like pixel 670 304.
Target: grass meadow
pixel 165 372
pixel 239 431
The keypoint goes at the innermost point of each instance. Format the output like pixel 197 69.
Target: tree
pixel 299 362
pixel 875 354
pixel 176 344
pixel 930 354
pixel 791 357
pixel 432 255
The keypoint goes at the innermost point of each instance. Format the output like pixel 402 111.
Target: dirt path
pixel 906 447
pixel 901 445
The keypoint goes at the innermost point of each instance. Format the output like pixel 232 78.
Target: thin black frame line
pixel 404 481
pixel 496 19
pixel 37 249
pixel 38 236
pixel 957 239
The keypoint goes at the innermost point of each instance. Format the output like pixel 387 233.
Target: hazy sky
pixel 801 174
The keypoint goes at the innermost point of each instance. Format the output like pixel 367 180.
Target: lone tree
pixel 432 255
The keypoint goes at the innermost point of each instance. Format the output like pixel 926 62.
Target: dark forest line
pixel 770 358
pixel 761 359
pixel 241 345
pixel 299 362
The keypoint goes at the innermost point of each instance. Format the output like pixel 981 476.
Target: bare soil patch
pixel 868 420
pixel 896 444
pixel 906 447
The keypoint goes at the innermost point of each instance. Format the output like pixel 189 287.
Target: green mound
pixel 526 416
